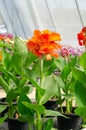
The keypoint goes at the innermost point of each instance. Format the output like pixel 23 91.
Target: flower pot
pixel 15 124
pixel 51 105
pixel 73 122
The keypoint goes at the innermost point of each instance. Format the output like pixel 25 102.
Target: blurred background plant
pixel 79 73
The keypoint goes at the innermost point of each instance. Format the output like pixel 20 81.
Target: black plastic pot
pixel 73 122
pixel 15 124
pixel 51 105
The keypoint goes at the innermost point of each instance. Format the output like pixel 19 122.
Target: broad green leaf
pixel 80 94
pixel 52 113
pixel 35 70
pixel 83 60
pixel 4 85
pixel 26 118
pixel 79 75
pixel 31 58
pixel 2 108
pixel 8 74
pixel 47 65
pixel 50 85
pixel 6 60
pixel 22 108
pixel 40 91
pixel 48 124
pixel 60 82
pixel 11 95
pixel 38 108
pixel 67 69
pixel 27 114
pixel 60 63
pixel 12 109
pixel 20 54
pixel 81 111
pixel 2 119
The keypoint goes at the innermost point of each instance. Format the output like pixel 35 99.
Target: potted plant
pixel 44 47
pixel 66 81
pixel 11 78
pixel 31 66
pixel 79 74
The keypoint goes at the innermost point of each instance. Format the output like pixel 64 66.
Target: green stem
pixel 61 108
pixel 67 106
pixel 41 71
pixel 38 122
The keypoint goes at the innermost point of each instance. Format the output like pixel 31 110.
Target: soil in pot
pixel 73 122
pixel 15 124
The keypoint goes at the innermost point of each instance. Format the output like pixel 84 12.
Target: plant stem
pixel 41 70
pixel 67 106
pixel 38 122
pixel 61 108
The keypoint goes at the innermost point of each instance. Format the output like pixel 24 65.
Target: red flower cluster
pixel 44 43
pixel 82 37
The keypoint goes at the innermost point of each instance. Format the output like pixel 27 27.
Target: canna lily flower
pixel 64 52
pixel 44 43
pixel 82 37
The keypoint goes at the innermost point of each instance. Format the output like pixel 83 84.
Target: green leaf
pixel 67 69
pixel 48 124
pixel 31 58
pixel 81 111
pixel 2 108
pixel 47 65
pixel 11 95
pixel 22 108
pixel 60 63
pixel 79 75
pixel 38 108
pixel 49 83
pixel 52 113
pixel 83 60
pixel 80 94
pixel 60 82
pixel 4 85
pixel 40 91
pixel 35 70
pixel 25 118
pixel 2 119
pixel 12 109
pixel 20 54
pixel 6 60
pixel 27 114
pixel 8 74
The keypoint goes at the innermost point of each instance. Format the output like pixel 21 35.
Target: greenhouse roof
pixel 21 17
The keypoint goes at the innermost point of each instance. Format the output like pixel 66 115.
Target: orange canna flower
pixel 44 43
